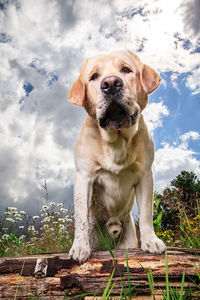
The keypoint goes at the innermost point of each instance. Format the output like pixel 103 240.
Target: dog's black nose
pixel 111 85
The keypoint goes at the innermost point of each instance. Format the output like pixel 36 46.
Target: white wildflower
pixel 10 220
pixel 61 220
pixel 21 227
pixel 46 220
pixel 35 217
pixel 22 212
pixel 68 219
pixel 63 210
pixel 60 205
pixel 45 207
pixel 44 214
pixel 12 208
pixel 5 236
pixel 7 213
pixel 18 219
pixel 46 226
pixel 17 215
pixel 31 228
pixel 52 204
pixel 21 238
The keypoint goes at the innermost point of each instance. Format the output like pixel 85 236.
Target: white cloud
pixel 171 160
pixel 174 79
pixel 193 81
pixel 186 137
pixel 154 114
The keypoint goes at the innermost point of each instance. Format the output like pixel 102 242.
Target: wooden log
pixel 53 276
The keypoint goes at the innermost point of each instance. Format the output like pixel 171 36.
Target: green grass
pixel 173 293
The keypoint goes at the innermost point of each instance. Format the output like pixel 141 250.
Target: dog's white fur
pixel 112 166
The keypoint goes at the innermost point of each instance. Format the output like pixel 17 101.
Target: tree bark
pixel 53 276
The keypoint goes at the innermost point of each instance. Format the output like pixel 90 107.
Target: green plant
pixel 158 214
pixel 190 229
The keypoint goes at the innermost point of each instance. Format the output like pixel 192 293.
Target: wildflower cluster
pixel 190 229
pixel 52 231
pixel 167 236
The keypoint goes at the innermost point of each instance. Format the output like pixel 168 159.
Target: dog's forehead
pixel 112 59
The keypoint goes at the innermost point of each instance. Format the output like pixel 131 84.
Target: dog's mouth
pixel 116 117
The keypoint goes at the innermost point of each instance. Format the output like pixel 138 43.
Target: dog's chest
pixel 116 190
pixel 116 156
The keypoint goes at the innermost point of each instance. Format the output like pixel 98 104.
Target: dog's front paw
pixel 80 250
pixel 153 245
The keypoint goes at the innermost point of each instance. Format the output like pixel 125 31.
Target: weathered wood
pixel 52 276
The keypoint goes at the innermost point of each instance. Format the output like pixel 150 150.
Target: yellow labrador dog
pixel 114 153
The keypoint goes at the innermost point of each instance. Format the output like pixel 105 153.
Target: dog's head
pixel 114 88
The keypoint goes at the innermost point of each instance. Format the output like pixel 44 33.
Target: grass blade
pixel 104 296
pixel 111 289
pixel 128 273
pixel 105 241
pixel 151 281
pixel 19 280
pixel 166 276
pixel 197 271
pixel 182 285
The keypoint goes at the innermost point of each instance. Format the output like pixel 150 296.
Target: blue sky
pixel 42 46
pixel 184 112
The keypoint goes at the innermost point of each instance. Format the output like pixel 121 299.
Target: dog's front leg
pixel 144 196
pixel 83 186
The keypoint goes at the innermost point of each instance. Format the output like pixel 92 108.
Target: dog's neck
pixel 116 143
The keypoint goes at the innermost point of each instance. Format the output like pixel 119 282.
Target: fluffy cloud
pixel 154 114
pixel 172 159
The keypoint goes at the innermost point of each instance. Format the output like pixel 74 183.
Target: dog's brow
pixel 94 69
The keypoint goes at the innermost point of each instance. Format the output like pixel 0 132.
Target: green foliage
pixel 190 230
pixel 158 214
pixel 187 182
pixel 176 212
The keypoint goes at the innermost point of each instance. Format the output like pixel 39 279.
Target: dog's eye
pixel 94 76
pixel 125 70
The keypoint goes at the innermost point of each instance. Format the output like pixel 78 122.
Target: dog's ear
pixel 150 79
pixel 77 93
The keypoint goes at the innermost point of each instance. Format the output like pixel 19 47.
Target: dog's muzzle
pixel 116 117
pixel 115 113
